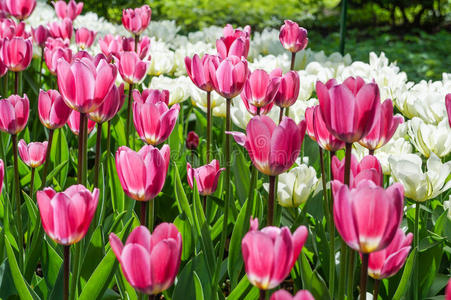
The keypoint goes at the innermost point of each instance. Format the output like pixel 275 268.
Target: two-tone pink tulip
pixel 229 76
pixel 53 54
pixel 273 149
pixel 293 37
pixel 66 216
pixel 269 254
pixel 9 29
pixel 20 9
pixel 136 20
pixel 33 154
pixel 133 70
pixel 62 29
pixel 150 262
pixel 199 70
pixel 284 295
pixel 143 48
pixel 318 131
pixel 368 168
pixel 40 35
pixel 85 37
pixel 142 174
pixel 288 88
pixel 151 95
pixel 234 42
pixel 254 110
pixel 206 176
pixel 348 109
pixel 260 88
pixel 14 113
pixel 111 105
pixel 69 10
pixel 17 53
pixel 110 45
pixel 52 110
pixel 74 123
pixel 448 107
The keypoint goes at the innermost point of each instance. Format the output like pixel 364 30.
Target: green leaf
pixel 116 192
pixel 241 289
pixel 184 228
pixel 242 176
pixel 93 255
pixel 198 287
pixel 61 167
pixel 235 260
pixel 311 280
pixel 181 197
pixel 405 279
pixel 59 155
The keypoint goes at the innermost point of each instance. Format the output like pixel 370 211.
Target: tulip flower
pixel 142 174
pixel 368 215
pixel 151 96
pixel 206 177
pixel 131 67
pixel 288 91
pixel 69 10
pixel 293 37
pixel 62 29
pixel 110 106
pixel 66 216
pixel 14 113
pixel 387 262
pixel 20 9
pixel 17 53
pixel 93 82
pixel 85 37
pixel 143 48
pixel 229 76
pixel 368 168
pixel 199 70
pixel 53 112
pixel 150 262
pixel 110 45
pixel 234 42
pixel 33 154
pixel 254 110
pixel 348 109
pixel 260 89
pixel 448 290
pixel 9 29
pixel 269 254
pixel 52 55
pixel 40 35
pixel 74 123
pixel 317 130
pixel 430 138
pixel 192 140
pixel 448 107
pixel 385 125
pixel 272 149
pixel 136 20
pixel 3 68
pixel 284 295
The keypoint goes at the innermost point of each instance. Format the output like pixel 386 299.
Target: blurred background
pixel 414 33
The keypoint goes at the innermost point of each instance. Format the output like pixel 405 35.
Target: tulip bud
pixel 53 112
pixel 288 91
pixel 17 53
pixel 33 154
pixel 206 177
pixel 14 113
pixel 292 37
pixel 40 35
pixel 85 37
pixel 61 29
pixel 192 140
pixel 132 68
pixel 234 42
pixel 136 20
pixel 68 10
pixel 229 76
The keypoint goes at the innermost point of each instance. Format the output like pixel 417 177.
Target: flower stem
pixel 377 284
pixel 136 42
pixel 364 275
pixel 32 183
pixel 262 295
pixel 250 199
pixel 343 264
pixel 272 186
pixel 143 212
pixel 205 203
pixel 351 264
pixel 371 152
pixel 66 249
pixel 416 236
pixel 208 126
pixel 85 151
pixel 16 83
pixel 80 148
pixel 280 114
pixel 129 114
pixel 47 159
pixel 108 141
pixel 331 233
pixel 151 215
pixel 76 271
pixel 40 66
pixel 293 59
pixel 18 204
pixel 2 149
pixel 97 158
pixel 347 163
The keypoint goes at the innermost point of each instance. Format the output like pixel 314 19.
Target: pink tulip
pixel 3 9
pixel 142 174
pixel 269 254
pixel 348 109
pixel 85 37
pixel 14 113
pixel 40 35
pixel 61 29
pixel 154 130
pixel 128 44
pixel 110 106
pixel 84 83
pixel 367 216
pixel 293 37
pixel 74 123
pixel 3 68
pixel 110 45
pixel 369 168
pixel 52 55
pixel 150 262
pixel 206 177
pixel 318 132
pixel 53 112
pixel 69 10
pixel 254 110
pixel 448 107
pixel 17 53
pixel 151 95
pixel 288 89
pixel 20 9
pixel 234 42
pixel 385 125
pixel 260 88
pixel 192 140
pixel 33 154
pixel 132 68
pixel 66 216
pixel 229 76
pixel 284 295
pixel 198 70
pixel 136 20
pixel 272 149
pixel 9 29
pixel 2 174
pixel 387 262
pixel 448 290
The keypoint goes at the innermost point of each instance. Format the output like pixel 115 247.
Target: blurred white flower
pixel 162 59
pixel 179 88
pixel 429 138
pixel 447 207
pixel 199 99
pixel 271 62
pixel 189 49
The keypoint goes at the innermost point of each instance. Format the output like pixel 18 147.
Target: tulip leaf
pixel 235 260
pixel 51 262
pixel 241 289
pixel 311 280
pixel 32 210
pixel 429 261
pixel 119 131
pixel 116 192
pixel 405 279
pixel 242 176
pixel 185 230
pixel 181 198
pixel 59 156
pixel 198 287
pixel 55 172
pixel 93 255
pixel 33 251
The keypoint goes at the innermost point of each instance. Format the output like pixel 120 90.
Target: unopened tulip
pixel 66 216
pixel 234 42
pixel 288 91
pixel 136 20
pixel 14 113
pixel 448 107
pixel 85 37
pixel 74 123
pixel 198 70
pixel 229 76
pixel 284 295
pixel 67 10
pixel 132 68
pixel 20 9
pixel 52 55
pixel 151 95
pixel 206 177
pixel 317 130
pixel 269 254
pixel 33 154
pixel 293 37
pixel 348 109
pixel 142 174
pixel 156 129
pixel 385 125
pixel 110 106
pixel 260 88
pixel 150 262
pixel 17 53
pixel 387 262
pixel 84 83
pixel 367 216
pixel 368 168
pixel 272 149
pixel 53 112
pixel 40 35
pixel 61 29
pixel 192 140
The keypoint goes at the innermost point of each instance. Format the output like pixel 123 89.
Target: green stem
pixel 151 215
pixel 136 42
pixel 40 67
pixel 129 114
pixel 343 264
pixel 377 284
pixel 80 148
pixel 3 151
pixel 143 212
pixel 371 152
pixel 18 204
pixel 348 163
pixel 280 114
pixel 287 111
pixel 32 183
pixel 85 152
pixel 208 126
pixel 293 59
pixel 108 141
pixel 364 275
pixel 262 295
pixel 272 186
pixel 250 199
pixel 66 250
pixel 416 237
pixel 98 151
pixel 16 83
pixel 205 203
pixel 344 9
pixel 76 271
pixel 47 159
pixel 331 234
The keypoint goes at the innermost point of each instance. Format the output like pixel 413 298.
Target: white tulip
pixel 199 99
pixel 178 87
pixel 429 138
pixel 447 207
